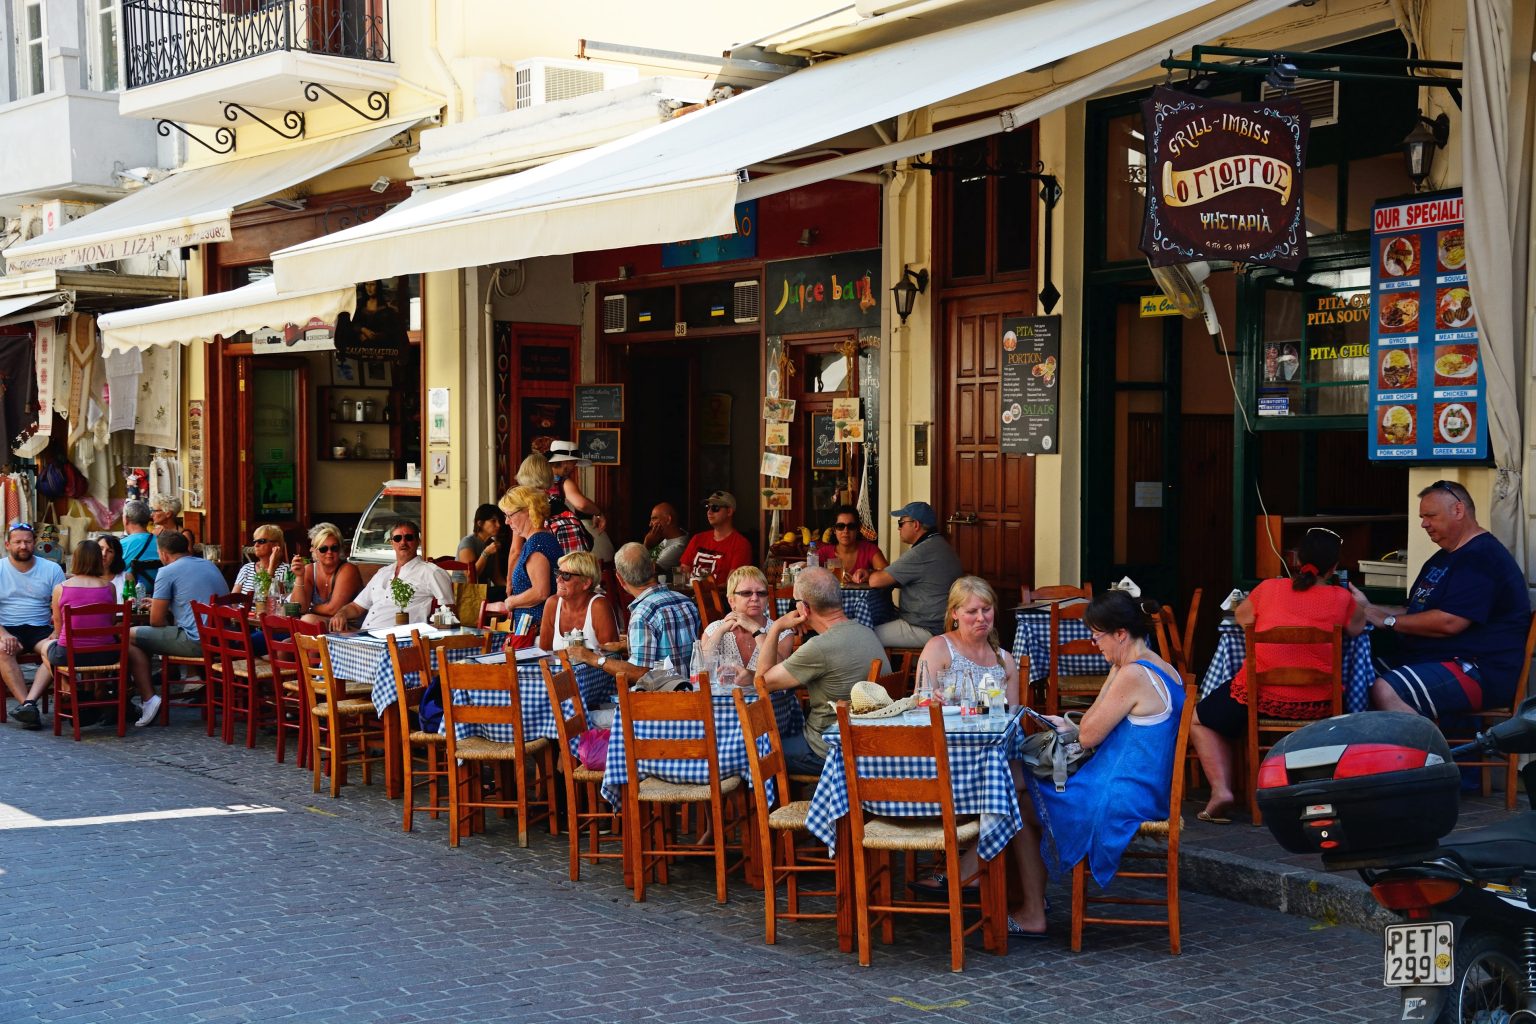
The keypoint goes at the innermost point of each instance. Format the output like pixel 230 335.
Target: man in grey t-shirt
pixel 172 626
pixel 827 665
pixel 924 573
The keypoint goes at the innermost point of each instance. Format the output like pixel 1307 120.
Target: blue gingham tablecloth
pixel 1359 672
pixel 869 606
pixel 730 745
pixel 366 660
pixel 595 685
pixel 1032 640
pixel 979 752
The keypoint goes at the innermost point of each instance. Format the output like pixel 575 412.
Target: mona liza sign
pixel 1224 180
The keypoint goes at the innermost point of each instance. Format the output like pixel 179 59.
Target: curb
pixel 1329 898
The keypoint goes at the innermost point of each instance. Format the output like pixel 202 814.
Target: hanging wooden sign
pixel 1224 180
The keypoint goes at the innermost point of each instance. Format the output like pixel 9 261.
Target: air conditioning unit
pixel 546 80
pixel 1319 98
pixel 615 314
pixel 40 218
pixel 748 302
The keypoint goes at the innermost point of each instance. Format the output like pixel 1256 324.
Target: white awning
pixel 192 206
pixel 678 180
pixel 251 308
pixel 21 308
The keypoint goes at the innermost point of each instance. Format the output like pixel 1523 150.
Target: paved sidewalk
pixel 327 911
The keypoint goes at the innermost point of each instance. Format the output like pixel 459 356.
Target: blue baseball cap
pixel 920 511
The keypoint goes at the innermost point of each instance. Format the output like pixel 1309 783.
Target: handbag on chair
pixel 1054 752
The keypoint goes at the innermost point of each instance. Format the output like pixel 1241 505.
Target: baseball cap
pixel 920 511
pixel 725 498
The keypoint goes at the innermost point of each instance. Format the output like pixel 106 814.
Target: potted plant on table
pixel 401 593
pixel 263 588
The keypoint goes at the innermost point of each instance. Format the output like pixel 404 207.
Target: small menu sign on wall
pixel 1427 388
pixel 1031 366
pixel 599 403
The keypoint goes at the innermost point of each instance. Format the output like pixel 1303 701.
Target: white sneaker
pixel 151 709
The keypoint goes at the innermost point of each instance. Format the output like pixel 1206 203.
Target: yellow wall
pixel 444 364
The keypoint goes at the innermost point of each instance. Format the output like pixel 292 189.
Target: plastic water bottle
pixel 813 556
pixel 696 666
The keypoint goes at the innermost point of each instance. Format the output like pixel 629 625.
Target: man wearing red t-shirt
pixel 719 550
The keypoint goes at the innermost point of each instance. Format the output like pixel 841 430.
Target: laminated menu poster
pixel 1030 361
pixel 1427 388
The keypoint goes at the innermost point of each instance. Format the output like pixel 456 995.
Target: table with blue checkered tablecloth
pixel 1032 640
pixel 869 606
pixel 730 745
pixel 1231 652
pixel 365 659
pixel 595 685
pixel 980 749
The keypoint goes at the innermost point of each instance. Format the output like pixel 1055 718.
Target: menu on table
pixel 1427 388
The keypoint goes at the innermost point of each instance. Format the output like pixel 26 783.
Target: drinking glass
pixel 923 690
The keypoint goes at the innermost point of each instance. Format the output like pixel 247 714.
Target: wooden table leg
pixel 394 772
pixel 844 861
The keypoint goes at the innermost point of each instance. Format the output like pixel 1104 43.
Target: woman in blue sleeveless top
pixel 1133 726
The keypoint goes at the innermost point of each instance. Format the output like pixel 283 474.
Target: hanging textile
pixel 159 412
pixel 81 348
pixel 18 386
pixel 164 476
pixel 123 370
pixel 47 358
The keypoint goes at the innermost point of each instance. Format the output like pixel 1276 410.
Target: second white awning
pixel 251 308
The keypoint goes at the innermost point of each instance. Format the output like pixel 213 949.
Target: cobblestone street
pixel 326 911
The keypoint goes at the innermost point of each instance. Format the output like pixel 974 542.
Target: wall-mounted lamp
pixel 912 284
pixel 1282 73
pixel 380 184
pixel 1420 145
pixel 808 236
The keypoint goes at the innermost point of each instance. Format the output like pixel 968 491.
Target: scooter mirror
pixel 1516 735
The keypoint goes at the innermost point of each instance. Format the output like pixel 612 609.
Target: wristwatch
pixel 602 659
pixel 761 632
pixel 1390 622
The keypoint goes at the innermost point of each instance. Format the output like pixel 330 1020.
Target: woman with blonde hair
pixel 735 639
pixel 531 581
pixel 577 605
pixel 270 550
pixel 327 584
pixel 971 642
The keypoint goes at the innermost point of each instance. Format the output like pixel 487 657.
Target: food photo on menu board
pixel 1428 388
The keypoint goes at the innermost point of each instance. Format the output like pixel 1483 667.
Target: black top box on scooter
pixel 1366 785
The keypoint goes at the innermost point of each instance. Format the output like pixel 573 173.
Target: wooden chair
pixel 246 680
pixel 648 835
pixel 287 691
pixel 430 746
pixel 467 799
pixel 78 683
pixel 582 785
pixel 1280 677
pixel 345 730
pixel 172 667
pixel 873 839
pixel 1062 689
pixel 1061 592
pixel 234 599
pixel 897 683
pixel 1486 719
pixel 1167 831
pixel 449 564
pixel 778 822
pixel 709 596
pixel 212 667
pixel 1170 643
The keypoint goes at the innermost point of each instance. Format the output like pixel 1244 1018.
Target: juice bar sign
pixel 1224 180
pixel 823 292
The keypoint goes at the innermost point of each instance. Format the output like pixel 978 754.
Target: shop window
pixel 1125 187
pixel 990 212
pixel 1313 359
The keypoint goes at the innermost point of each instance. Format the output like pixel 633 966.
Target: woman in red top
pixel 1221 718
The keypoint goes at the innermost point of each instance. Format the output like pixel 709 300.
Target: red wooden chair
pixel 246 679
pixel 415 744
pixel 287 691
pixel 449 564
pixel 77 683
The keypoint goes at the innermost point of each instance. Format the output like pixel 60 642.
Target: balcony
pixel 184 59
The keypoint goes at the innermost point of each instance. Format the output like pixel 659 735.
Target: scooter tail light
pixel 1272 773
pixel 1412 893
pixel 1378 759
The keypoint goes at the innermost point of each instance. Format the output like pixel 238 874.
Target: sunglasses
pixel 903 521
pixel 401 538
pixel 260 540
pixel 327 549
pixel 566 577
pixel 19 525
pixel 715 508
pixel 751 593
pixel 1456 491
pixel 845 526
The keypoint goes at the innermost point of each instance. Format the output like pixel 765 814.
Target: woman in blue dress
pixel 531 580
pixel 1133 726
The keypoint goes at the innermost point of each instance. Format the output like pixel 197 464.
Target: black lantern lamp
pixel 912 284
pixel 1420 145
pixel 1282 73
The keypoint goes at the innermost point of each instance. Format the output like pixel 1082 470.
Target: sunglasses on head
pixel 401 538
pixel 19 525
pixel 1455 490
pixel 327 549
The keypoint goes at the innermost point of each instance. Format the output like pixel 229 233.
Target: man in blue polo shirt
pixel 26 614
pixel 1461 637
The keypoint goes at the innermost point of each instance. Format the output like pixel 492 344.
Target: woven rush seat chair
pixel 1062 690
pixel 345 730
pixel 287 690
pixel 1261 726
pixel 416 745
pixel 582 785
pixel 245 679
pixel 78 684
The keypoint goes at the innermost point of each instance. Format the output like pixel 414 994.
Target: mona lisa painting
pixel 376 328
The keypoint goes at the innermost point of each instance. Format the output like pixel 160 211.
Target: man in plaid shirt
pixel 662 623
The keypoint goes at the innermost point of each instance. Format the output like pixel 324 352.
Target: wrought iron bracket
pixel 378 102
pixel 223 138
pixel 293 120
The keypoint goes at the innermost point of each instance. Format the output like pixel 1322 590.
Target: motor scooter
pixel 1377 793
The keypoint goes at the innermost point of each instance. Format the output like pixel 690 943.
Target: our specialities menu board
pixel 1427 389
pixel 1030 409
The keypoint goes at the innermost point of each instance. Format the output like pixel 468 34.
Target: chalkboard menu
pixel 599 403
pixel 1427 386
pixel 1031 374
pixel 599 446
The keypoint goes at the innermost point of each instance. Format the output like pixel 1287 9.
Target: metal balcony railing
pixel 166 39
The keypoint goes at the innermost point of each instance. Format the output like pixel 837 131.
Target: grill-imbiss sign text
pixel 1224 180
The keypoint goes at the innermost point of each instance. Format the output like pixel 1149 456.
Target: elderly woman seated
pixel 577 605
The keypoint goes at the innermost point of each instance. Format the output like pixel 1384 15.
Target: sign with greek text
pixel 1224 180
pixel 1031 402
pixel 1427 387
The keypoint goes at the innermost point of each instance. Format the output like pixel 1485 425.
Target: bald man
pixel 665 540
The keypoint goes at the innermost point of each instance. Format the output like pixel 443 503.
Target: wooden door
pixel 825 473
pixel 273 413
pixel 985 499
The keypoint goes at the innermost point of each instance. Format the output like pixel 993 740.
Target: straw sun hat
pixel 870 700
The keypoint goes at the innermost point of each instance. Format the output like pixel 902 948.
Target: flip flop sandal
pixel 936 886
pixel 1018 931
pixel 1212 819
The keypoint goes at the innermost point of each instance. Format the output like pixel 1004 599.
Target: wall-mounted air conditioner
pixel 748 302
pixel 1319 98
pixel 546 80
pixel 615 314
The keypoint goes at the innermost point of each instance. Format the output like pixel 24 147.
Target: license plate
pixel 1420 954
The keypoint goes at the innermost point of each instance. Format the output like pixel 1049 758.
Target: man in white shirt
pixel 26 614
pixel 377 604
